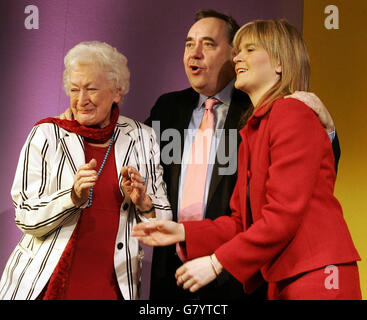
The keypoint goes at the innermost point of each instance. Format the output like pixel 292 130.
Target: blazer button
pixel 255 122
pixel 120 245
pixel 248 174
pixel 125 207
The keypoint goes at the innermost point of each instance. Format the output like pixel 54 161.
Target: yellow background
pixel 339 78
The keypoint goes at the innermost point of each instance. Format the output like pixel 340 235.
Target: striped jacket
pixel 47 216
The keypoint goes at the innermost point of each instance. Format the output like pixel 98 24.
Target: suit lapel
pixel 239 104
pixel 185 109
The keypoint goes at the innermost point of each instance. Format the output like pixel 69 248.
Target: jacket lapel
pixel 124 146
pixel 73 148
pixel 239 104
pixel 185 109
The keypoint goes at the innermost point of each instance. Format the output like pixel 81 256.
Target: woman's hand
pixel 84 179
pixel 135 187
pixel 159 233
pixel 197 273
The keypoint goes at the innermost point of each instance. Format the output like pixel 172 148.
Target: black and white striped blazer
pixel 47 216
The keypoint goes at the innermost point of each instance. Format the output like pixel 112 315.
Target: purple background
pixel 150 33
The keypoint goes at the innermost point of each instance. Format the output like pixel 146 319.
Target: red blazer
pixel 286 163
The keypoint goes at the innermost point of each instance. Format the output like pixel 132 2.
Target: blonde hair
pixel 285 47
pixel 100 54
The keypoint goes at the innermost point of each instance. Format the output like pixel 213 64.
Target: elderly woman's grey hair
pixel 101 54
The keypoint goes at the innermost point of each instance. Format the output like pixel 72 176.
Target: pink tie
pixel 191 206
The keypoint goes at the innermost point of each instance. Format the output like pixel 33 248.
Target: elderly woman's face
pixel 91 96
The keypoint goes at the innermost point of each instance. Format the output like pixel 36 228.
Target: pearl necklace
pixel 100 171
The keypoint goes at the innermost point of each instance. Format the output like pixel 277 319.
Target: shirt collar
pixel 224 96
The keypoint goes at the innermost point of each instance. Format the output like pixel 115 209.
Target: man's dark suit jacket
pixel 174 110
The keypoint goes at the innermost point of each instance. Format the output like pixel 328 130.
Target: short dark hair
pixel 231 23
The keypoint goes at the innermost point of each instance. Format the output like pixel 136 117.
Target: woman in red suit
pixel 286 225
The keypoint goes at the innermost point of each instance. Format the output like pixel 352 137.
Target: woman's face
pixel 91 96
pixel 255 71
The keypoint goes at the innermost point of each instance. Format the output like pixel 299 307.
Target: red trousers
pixel 335 282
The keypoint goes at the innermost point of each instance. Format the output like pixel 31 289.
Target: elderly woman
pixel 81 186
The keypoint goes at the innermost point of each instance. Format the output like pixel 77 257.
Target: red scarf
pixel 93 134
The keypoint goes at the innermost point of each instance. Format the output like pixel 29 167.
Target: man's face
pixel 208 56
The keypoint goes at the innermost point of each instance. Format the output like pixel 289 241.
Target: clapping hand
pixel 134 186
pixel 84 179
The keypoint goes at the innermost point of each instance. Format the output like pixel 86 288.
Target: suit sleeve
pixel 153 113
pixel 295 157
pixel 37 212
pixel 336 150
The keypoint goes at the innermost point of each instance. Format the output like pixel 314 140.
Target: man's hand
pixel 67 115
pixel 313 101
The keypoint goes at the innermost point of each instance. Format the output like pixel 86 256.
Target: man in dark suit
pixel 209 68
